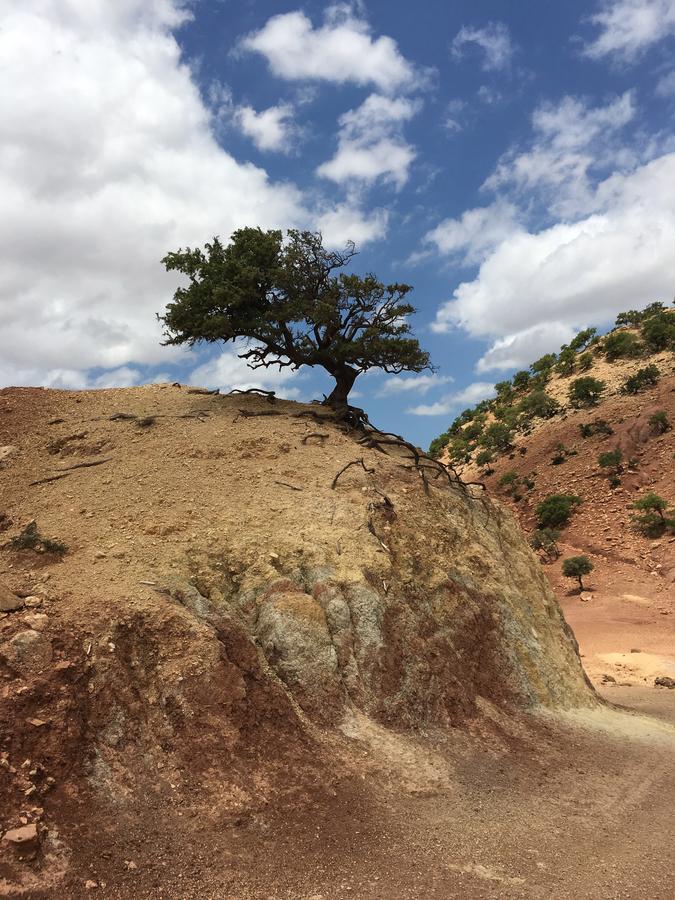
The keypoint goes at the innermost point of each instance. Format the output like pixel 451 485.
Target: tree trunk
pixel 581 584
pixel 344 382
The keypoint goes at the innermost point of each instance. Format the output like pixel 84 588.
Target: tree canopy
pixel 284 297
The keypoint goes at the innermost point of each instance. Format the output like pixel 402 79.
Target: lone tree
pixel 284 298
pixel 577 567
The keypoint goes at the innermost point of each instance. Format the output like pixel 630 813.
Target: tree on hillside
pixel 586 391
pixel 656 516
pixel 555 510
pixel 577 567
pixel 284 297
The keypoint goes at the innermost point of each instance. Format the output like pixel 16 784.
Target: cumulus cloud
pixel 227 372
pixel 413 384
pixel 468 396
pixel 569 139
pixel 578 272
pixel 627 28
pixel 269 129
pixel 348 222
pixel 370 144
pixel 665 86
pixel 494 40
pixel 107 162
pixel 340 50
pixel 521 349
pixel 475 233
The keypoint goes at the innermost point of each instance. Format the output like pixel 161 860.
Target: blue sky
pixel 514 162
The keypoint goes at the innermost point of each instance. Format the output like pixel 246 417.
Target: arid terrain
pixel 227 675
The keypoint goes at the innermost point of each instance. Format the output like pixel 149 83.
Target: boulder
pixel 9 602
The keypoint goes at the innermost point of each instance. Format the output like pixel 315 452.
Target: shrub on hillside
pixel 484 458
pixel 538 404
pixel 611 460
pixel 585 362
pixel 438 444
pixel 546 539
pixel 598 426
pixel 577 567
pixel 567 359
pixel 660 422
pixel 585 391
pixel 497 436
pixel 631 317
pixel 556 509
pixel 644 378
pixel 543 365
pixel 621 345
pixel 656 514
pixel 582 339
pixel 658 332
pixel 521 380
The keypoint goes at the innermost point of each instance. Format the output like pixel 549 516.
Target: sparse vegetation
pixel 621 345
pixel 561 454
pixel 598 426
pixel 577 567
pixel 586 391
pixel 31 539
pixel 546 540
pixel 644 378
pixel 658 331
pixel 556 510
pixel 656 515
pixel 611 460
pixel 585 362
pixel 659 422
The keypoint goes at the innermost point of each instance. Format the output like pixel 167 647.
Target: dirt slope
pixel 241 682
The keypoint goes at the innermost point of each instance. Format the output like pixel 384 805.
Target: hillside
pixel 227 673
pixel 631 589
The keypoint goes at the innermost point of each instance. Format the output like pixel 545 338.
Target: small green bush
pixel 577 567
pixel 621 345
pixel 658 331
pixel 582 339
pixel 644 378
pixel 556 509
pixel 497 436
pixel 598 426
pixel 585 362
pixel 546 539
pixel 660 422
pixel 567 360
pixel 611 459
pixel 538 404
pixel 484 458
pixel 521 380
pixel 586 391
pixel 508 479
pixel 656 514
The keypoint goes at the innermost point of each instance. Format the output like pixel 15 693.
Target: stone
pixel 25 839
pixel 9 602
pixel 33 602
pixel 7 451
pixel 665 681
pixel 27 651
pixel 608 679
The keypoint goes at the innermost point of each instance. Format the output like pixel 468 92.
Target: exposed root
pixel 247 414
pixel 270 396
pixel 354 462
pixel 315 434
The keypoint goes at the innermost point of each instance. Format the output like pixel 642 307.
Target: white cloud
pixel 370 145
pixel 570 138
pixel 475 233
pixel 341 50
pixel 629 27
pixel 519 350
pixel 227 372
pixel 494 40
pixel 107 161
pixel 348 222
pixel 665 86
pixel 269 129
pixel 468 396
pixel 580 272
pixel 414 384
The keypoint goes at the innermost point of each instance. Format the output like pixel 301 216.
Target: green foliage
pixel 438 444
pixel 644 378
pixel 284 297
pixel 631 318
pixel 658 331
pixel 586 391
pixel 660 422
pixel 598 426
pixel 484 458
pixel 504 391
pixel 546 539
pixel 508 479
pixel 582 339
pixel 31 539
pixel 621 345
pixel 611 459
pixel 656 514
pixel 544 364
pixel 538 403
pixel 567 359
pixel 459 449
pixel 585 362
pixel 577 567
pixel 614 481
pixel 556 509
pixel 521 380
pixel 497 437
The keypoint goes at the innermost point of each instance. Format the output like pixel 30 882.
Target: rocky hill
pixel 609 451
pixel 199 592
